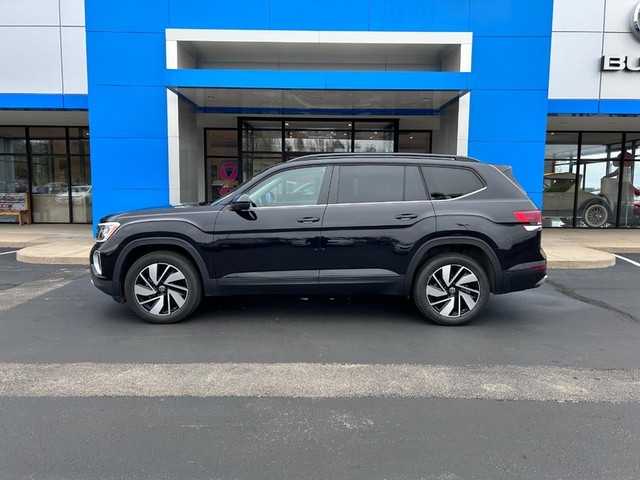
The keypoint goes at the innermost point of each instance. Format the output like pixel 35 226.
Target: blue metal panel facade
pixel 128 81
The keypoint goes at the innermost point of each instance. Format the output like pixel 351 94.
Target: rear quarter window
pixel 445 183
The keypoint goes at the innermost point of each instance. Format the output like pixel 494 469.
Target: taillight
pixel 530 219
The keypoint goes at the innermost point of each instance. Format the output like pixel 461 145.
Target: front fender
pixel 209 284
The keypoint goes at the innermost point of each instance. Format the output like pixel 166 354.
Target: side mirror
pixel 242 203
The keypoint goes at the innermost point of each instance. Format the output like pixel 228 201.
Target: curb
pixel 55 254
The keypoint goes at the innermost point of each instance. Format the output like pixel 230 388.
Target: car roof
pixel 380 157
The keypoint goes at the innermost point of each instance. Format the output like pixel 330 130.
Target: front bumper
pixel 102 282
pixel 109 287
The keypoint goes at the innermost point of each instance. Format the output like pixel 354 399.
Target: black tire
pixel 163 287
pixel 595 215
pixel 455 301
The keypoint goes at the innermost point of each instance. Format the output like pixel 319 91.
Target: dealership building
pixel 115 105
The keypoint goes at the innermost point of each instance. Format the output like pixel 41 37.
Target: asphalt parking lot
pixel 586 321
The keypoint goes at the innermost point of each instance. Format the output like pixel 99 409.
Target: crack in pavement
pixel 568 292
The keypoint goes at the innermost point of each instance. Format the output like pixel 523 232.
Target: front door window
pixel 295 187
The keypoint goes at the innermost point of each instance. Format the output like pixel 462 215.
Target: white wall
pixel 192 179
pixel 583 32
pixel 186 164
pixel 44 48
pixel 453 135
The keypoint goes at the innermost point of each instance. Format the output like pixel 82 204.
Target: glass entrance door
pixel 267 142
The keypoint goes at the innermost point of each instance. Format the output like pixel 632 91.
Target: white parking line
pixel 314 380
pixel 627 260
pixel 7 253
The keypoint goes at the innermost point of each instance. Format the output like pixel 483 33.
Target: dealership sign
pixel 630 63
pixel 635 21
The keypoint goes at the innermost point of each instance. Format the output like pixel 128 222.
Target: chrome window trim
pixel 461 196
pixel 289 206
pixel 400 202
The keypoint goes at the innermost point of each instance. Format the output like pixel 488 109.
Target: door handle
pixel 308 219
pixel 406 216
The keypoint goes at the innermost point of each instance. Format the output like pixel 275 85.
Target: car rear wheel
pixel 595 215
pixel 451 289
pixel 163 287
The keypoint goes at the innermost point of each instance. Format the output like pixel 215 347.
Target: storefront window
pixel 49 188
pixel 14 174
pixel 81 197
pixel 374 137
pixel 51 165
pixel 414 142
pixel 223 173
pixel 590 180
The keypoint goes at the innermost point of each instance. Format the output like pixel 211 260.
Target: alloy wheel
pixel 161 289
pixel 453 290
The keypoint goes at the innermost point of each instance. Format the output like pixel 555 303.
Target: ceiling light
pixel 425 99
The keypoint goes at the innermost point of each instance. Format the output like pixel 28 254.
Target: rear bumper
pixel 522 280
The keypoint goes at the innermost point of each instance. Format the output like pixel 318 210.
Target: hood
pixel 179 211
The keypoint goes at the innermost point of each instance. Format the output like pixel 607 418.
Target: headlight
pixel 105 230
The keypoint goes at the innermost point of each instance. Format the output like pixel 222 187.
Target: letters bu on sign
pixel 613 63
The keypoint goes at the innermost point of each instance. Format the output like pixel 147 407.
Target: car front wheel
pixel 451 289
pixel 163 287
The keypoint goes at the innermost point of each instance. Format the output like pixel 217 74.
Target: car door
pixel 376 217
pixel 274 246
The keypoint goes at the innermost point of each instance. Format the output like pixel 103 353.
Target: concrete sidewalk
pixel 565 248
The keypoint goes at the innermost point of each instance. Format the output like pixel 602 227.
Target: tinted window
pixel 413 185
pixel 300 186
pixel 449 182
pixel 370 183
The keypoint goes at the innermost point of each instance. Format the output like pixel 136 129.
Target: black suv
pixel 445 230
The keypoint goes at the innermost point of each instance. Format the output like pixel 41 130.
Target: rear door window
pixel 370 183
pixel 445 183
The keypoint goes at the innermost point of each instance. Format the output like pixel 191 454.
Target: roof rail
pixel 430 156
